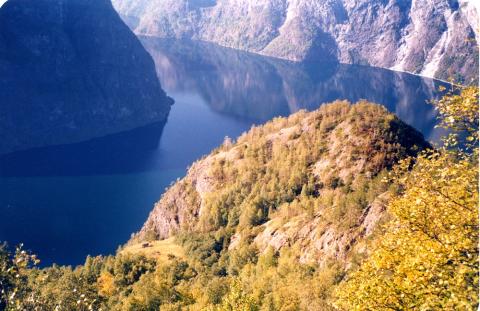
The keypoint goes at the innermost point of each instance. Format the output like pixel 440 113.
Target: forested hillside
pixel 345 207
pixel 312 180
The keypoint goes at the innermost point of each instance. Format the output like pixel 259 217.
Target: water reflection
pixel 257 88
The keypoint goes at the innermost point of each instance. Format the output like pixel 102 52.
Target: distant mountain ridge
pixel 72 71
pixel 432 38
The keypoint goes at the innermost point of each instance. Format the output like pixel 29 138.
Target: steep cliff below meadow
pixel 312 181
pixel 432 38
pixel 71 71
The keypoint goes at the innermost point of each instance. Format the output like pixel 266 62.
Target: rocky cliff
pixel 312 181
pixel 432 38
pixel 71 71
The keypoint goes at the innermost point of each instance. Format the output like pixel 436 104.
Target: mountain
pixel 72 71
pixel 433 38
pixel 312 181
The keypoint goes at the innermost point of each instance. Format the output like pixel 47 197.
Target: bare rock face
pixel 348 147
pixel 432 38
pixel 72 71
pixel 319 242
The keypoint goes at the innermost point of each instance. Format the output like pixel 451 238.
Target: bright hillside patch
pixel 163 251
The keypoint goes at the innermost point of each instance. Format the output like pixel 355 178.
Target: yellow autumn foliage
pixel 106 284
pixel 428 258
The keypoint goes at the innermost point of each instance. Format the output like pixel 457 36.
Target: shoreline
pixel 139 35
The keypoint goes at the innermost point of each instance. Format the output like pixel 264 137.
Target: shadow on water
pixel 120 153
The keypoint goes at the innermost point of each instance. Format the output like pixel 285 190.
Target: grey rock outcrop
pixel 432 38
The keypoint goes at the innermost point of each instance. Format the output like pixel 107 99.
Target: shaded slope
pixel 71 71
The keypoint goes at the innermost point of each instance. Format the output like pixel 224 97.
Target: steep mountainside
pixel 71 71
pixel 433 38
pixel 312 181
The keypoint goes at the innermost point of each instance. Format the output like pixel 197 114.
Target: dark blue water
pixel 65 202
